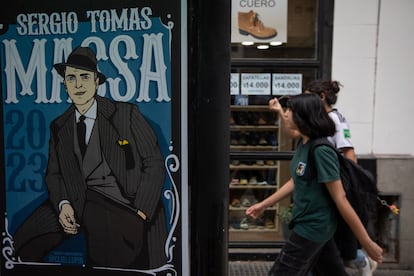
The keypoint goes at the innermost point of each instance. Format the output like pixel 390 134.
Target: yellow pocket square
pixel 123 142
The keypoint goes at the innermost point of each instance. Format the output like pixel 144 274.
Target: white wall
pixel 373 57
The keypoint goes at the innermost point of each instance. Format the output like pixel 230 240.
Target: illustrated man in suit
pixel 105 176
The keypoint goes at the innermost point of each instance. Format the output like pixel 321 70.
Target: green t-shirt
pixel 314 215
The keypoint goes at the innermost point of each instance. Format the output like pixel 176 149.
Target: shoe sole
pixel 255 36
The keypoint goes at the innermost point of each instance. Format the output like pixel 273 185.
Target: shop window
pixel 301 34
pixel 259 150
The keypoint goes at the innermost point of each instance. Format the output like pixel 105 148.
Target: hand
pixel 275 105
pixel 374 251
pixel 67 219
pixel 255 210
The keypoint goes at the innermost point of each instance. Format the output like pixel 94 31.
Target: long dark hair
pixel 310 116
pixel 329 88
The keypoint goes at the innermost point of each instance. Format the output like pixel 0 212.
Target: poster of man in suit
pixel 91 163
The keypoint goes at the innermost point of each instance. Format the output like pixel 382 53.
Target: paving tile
pixel 260 268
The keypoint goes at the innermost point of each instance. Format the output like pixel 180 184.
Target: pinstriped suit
pixel 138 168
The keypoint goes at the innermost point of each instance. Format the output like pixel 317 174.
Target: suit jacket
pixel 136 163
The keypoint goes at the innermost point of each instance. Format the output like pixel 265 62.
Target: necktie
pixel 81 130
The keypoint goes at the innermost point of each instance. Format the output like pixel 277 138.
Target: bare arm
pixel 275 106
pixel 337 193
pixel 257 209
pixel 350 154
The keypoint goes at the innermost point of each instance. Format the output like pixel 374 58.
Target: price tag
pixel 287 84
pixel 255 84
pixel 234 83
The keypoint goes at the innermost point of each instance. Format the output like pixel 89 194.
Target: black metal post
pixel 209 113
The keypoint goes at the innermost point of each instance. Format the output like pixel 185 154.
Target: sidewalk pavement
pixel 261 268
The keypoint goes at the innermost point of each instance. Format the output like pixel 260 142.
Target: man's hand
pixel 67 219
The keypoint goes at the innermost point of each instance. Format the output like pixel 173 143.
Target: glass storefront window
pixel 302 18
pixel 260 151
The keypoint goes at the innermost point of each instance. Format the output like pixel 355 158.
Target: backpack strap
pixel 314 143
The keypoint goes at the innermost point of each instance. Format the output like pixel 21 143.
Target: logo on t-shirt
pixel 347 133
pixel 300 169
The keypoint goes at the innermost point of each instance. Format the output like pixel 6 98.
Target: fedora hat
pixel 82 58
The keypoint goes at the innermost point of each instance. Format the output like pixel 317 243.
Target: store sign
pixel 118 206
pixel 259 21
pixel 234 84
pixel 255 84
pixel 286 84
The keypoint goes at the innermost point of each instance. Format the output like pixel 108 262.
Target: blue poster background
pixel 27 115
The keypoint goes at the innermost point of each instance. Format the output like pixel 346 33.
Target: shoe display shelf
pixel 249 184
pixel 254 132
pixel 253 128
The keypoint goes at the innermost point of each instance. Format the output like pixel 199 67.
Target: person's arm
pixel 275 106
pixel 257 209
pixel 350 154
pixel 58 194
pixel 338 195
pixel 152 175
pixel 342 139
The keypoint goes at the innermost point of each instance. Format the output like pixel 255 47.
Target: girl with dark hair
pixel 347 244
pixel 316 205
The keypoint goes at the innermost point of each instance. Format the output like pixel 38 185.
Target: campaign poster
pixel 91 147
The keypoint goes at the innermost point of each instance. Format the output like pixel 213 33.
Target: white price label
pixel 255 84
pixel 287 84
pixel 234 83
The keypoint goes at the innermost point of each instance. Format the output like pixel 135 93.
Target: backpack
pixel 359 184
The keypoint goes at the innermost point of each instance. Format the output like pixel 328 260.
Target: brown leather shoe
pixel 250 24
